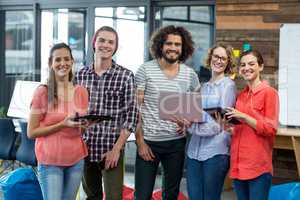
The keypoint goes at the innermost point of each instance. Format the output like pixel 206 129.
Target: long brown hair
pixel 51 82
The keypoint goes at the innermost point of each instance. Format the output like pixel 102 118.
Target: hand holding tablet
pixel 212 111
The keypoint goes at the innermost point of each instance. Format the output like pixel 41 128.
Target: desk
pixel 289 138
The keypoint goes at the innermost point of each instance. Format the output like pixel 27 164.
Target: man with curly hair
pixel 157 140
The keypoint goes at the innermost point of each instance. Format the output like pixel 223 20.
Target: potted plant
pixel 3 112
pixel 3 118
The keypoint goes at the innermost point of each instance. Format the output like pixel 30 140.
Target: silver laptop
pixel 184 105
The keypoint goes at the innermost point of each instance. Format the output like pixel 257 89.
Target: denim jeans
pixel 171 155
pixel 60 182
pixel 253 189
pixel 205 179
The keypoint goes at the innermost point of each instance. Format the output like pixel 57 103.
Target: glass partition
pixel 19 43
pixel 17 60
pixel 63 25
pixel 130 24
pixel 199 20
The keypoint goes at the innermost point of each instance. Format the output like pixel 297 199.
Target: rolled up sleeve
pixel 130 103
pixel 268 123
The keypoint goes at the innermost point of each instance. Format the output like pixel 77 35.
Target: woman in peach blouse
pixel 59 147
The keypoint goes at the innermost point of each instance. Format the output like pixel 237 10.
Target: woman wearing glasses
pixel 59 147
pixel 208 149
pixel 257 108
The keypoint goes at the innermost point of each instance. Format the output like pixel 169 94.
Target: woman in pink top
pixel 257 107
pixel 59 147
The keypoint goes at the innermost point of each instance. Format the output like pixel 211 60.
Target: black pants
pixel 112 178
pixel 171 155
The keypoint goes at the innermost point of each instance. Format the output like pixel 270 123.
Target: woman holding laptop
pixel 59 147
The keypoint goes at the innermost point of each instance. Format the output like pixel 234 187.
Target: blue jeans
pixel 205 179
pixel 60 182
pixel 253 189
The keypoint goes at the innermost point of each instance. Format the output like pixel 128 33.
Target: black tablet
pixel 214 110
pixel 222 112
pixel 234 121
pixel 92 118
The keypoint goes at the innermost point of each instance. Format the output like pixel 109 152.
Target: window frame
pixel 38 5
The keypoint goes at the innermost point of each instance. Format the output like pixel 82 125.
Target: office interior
pixel 28 29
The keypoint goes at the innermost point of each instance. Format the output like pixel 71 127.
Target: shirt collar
pixel 109 71
pixel 258 88
pixel 217 82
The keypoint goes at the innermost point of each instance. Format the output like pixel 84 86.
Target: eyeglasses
pixel 216 57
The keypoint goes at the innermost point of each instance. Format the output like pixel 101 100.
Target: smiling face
pixel 219 60
pixel 61 63
pixel 172 48
pixel 105 44
pixel 249 68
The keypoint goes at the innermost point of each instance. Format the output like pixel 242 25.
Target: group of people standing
pixel 69 151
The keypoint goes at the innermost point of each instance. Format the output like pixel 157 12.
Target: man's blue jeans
pixel 253 189
pixel 205 179
pixel 60 183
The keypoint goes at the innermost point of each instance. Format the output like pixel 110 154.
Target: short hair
pixel 231 65
pixel 109 29
pixel 158 39
pixel 256 54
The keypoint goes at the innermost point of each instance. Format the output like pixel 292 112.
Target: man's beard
pixel 170 60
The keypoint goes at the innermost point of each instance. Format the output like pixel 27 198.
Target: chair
pixel 286 191
pixel 25 152
pixel 7 142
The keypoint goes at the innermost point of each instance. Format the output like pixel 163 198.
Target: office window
pixel 199 20
pixel 19 43
pixel 63 25
pixel 177 13
pixel 201 14
pixel 130 24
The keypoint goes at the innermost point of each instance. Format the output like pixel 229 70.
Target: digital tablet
pixel 222 112
pixel 92 118
pixel 214 110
